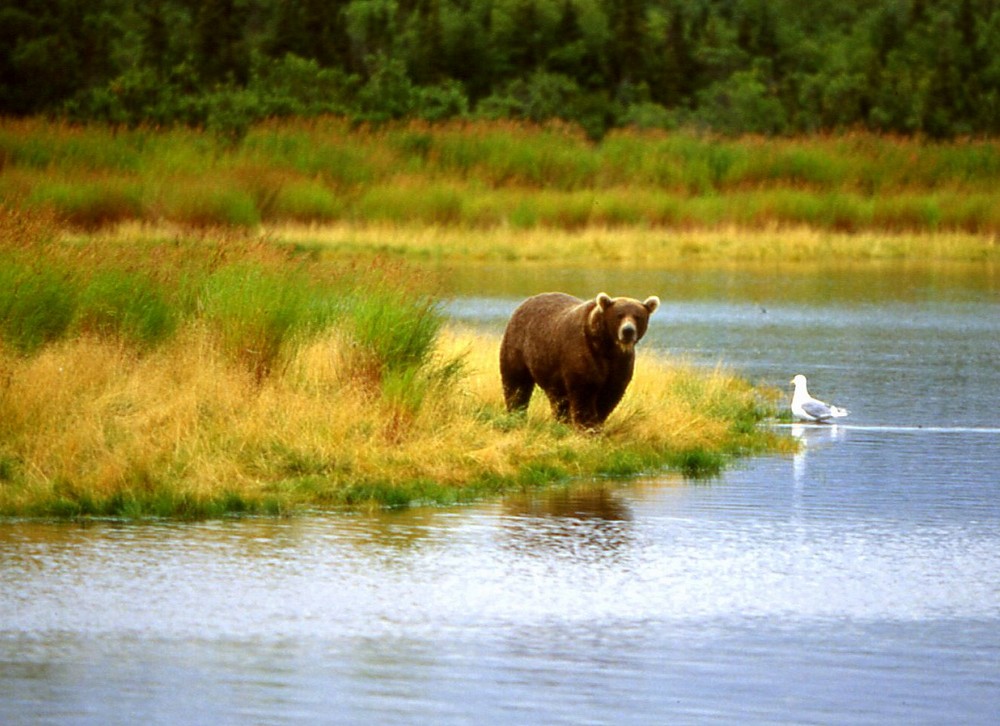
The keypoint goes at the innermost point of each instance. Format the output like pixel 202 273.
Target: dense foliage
pixel 734 66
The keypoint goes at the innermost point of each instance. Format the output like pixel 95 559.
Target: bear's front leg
pixel 560 409
pixel 583 410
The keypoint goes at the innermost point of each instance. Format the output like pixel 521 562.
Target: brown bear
pixel 581 353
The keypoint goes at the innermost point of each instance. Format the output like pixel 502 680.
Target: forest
pixel 770 67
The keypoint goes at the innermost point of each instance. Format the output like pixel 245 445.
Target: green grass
pixel 259 300
pixel 126 304
pixel 488 174
pixel 90 201
pixel 258 311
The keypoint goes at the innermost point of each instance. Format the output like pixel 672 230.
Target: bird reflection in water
pixel 811 437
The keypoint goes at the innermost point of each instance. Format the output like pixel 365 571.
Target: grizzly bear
pixel 581 354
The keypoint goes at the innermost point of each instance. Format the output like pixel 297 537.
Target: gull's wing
pixel 817 409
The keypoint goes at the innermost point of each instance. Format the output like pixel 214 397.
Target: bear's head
pixel 622 320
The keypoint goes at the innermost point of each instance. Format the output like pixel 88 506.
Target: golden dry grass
pixel 90 427
pixel 641 247
pixel 801 248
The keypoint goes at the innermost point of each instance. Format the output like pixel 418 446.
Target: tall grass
pixel 258 300
pixel 487 174
pixel 257 312
pixel 36 305
pixel 127 304
pixel 90 429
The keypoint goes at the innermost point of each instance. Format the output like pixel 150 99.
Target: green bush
pixel 444 101
pixel 742 103
pixel 296 86
pixel 89 203
pixel 36 304
pixel 126 304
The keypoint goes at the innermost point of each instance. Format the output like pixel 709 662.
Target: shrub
pixel 388 94
pixel 89 203
pixel 741 104
pixel 441 102
pixel 292 86
pixel 126 304
pixel 36 304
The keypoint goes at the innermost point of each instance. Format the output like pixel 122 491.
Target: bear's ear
pixel 603 300
pixel 652 302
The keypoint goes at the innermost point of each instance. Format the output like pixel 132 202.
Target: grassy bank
pixel 210 374
pixel 499 175
pixel 633 247
pixel 92 429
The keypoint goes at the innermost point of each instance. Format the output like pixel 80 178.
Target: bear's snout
pixel 627 332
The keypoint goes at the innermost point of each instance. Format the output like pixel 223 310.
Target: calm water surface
pixel 855 582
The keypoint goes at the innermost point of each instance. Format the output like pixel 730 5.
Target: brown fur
pixel 580 353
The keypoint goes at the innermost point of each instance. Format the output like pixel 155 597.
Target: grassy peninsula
pixel 220 373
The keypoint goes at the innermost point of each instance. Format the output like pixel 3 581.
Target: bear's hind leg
pixel 517 392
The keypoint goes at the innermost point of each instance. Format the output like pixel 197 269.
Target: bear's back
pixel 545 312
pixel 541 329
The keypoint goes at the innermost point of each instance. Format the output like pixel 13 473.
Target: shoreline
pixel 727 247
pixel 184 433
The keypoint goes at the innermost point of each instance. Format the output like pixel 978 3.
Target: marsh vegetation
pixel 502 175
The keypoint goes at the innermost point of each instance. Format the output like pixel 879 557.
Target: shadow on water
pixel 584 521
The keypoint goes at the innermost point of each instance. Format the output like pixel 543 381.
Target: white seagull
pixel 807 408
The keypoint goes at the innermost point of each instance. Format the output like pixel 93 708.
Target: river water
pixel 855 582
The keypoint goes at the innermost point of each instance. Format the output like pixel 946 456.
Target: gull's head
pixel 799 380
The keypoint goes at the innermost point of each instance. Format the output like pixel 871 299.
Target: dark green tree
pixel 627 21
pixel 220 44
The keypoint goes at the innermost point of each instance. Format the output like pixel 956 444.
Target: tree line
pixel 928 67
